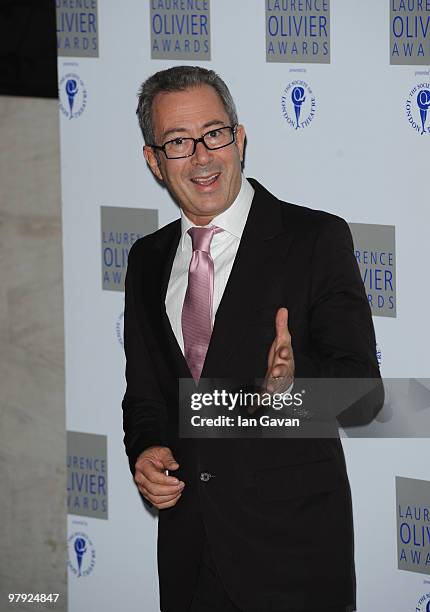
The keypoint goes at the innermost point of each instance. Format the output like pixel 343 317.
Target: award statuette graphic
pixel 80 550
pixel 71 91
pixel 298 97
pixel 423 101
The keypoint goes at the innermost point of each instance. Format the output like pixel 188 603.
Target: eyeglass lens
pixel 214 139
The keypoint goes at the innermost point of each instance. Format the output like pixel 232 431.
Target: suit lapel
pixel 257 270
pixel 156 275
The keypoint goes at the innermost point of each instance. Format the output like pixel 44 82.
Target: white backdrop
pixel 359 158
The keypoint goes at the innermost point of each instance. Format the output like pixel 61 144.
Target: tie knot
pixel 201 237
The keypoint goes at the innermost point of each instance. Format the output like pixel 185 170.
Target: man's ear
pixel 153 161
pixel 240 140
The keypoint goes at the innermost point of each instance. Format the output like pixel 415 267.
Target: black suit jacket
pixel 277 514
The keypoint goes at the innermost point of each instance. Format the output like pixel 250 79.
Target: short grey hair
pixel 179 78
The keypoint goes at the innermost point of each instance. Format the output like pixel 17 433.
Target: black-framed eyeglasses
pixel 180 147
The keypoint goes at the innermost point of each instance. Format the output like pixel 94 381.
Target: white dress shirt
pixel 223 249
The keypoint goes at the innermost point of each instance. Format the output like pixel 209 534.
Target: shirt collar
pixel 231 220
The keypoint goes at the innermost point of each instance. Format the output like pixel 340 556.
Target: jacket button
pixel 205 476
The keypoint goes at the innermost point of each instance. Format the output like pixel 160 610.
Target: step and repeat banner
pixel 335 98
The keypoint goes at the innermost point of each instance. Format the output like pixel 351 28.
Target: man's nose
pixel 201 155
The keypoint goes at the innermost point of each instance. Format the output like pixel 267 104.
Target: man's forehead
pixel 199 106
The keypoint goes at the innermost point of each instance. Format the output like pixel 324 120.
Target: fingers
pixel 161 505
pixel 281 325
pixel 281 352
pixel 167 504
pixel 159 489
pixel 160 497
pixel 160 501
pixel 280 361
pixel 282 365
pixel 156 476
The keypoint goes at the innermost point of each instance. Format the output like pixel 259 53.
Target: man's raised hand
pixel 280 360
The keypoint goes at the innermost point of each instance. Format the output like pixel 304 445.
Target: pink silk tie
pixel 198 302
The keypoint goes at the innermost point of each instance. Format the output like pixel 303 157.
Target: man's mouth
pixel 206 181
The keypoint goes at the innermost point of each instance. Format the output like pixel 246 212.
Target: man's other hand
pixel 160 490
pixel 280 361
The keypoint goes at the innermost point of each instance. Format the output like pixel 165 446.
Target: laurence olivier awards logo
pixel 77 29
pixel 375 251
pixel 72 96
pixel 418 108
pixel 81 554
pixel 120 228
pixel 409 32
pixel 87 474
pixel 298 32
pixel 413 526
pixel 180 29
pixel 298 104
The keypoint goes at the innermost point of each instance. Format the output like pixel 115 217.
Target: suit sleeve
pixel 144 408
pixel 340 323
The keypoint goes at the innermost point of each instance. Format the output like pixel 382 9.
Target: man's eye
pixel 214 134
pixel 177 141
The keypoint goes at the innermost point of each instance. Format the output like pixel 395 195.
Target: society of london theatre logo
pixel 81 554
pixel 298 104
pixel 72 95
pixel 418 108
pixel 423 604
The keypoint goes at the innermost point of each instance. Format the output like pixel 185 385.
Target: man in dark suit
pixel 242 287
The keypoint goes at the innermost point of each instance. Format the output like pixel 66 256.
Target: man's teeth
pixel 205 180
